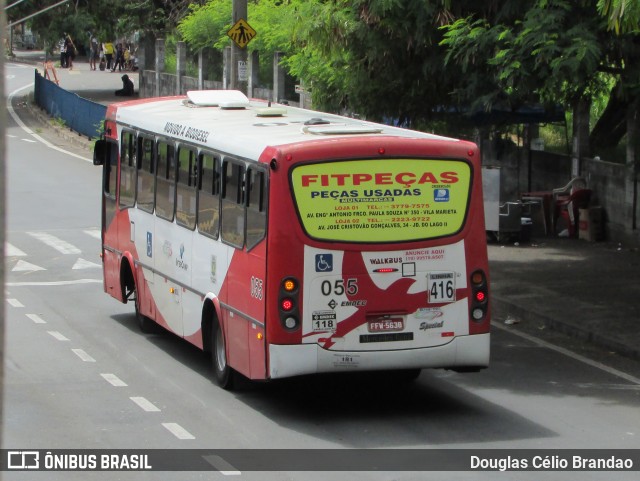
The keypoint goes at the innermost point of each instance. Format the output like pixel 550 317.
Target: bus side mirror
pixel 99 152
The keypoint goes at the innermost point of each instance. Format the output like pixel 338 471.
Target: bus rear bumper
pixel 295 360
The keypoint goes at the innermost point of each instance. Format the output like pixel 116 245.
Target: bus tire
pixel 224 375
pixel 146 324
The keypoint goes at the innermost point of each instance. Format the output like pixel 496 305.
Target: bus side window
pixel 186 191
pixel 256 206
pixel 111 170
pixel 233 212
pixel 209 195
pixel 146 179
pixel 165 180
pixel 127 169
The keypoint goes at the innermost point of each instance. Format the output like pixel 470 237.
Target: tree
pixel 108 19
pixel 621 15
pixel 379 58
pixel 561 51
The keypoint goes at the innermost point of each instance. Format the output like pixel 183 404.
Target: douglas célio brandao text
pixel 551 463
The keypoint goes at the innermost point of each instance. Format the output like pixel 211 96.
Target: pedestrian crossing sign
pixel 241 33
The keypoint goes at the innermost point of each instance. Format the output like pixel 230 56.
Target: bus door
pixel 171 246
pixel 142 224
pixel 244 199
pixel 109 226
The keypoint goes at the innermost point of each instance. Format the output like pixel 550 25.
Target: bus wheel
pixel 224 374
pixel 146 325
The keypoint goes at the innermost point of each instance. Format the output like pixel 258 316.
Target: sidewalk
pixel 95 85
pixel 590 291
pixel 586 290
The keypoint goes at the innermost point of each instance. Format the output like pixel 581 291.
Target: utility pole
pixel 239 59
pixel 3 204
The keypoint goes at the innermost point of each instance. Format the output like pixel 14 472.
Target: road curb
pixel 503 309
pixel 46 121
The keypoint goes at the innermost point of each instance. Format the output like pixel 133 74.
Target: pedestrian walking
pixel 108 53
pixel 93 55
pixel 119 58
pixel 71 51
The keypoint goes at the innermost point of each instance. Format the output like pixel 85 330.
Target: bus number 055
pixel 339 287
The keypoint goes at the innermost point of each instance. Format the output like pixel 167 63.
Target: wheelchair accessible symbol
pixel 324 262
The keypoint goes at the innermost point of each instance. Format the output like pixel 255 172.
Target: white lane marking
pixel 29 140
pixel 94 233
pixel 85 264
pixel 83 355
pixel 58 336
pixel 58 244
pixel 113 380
pixel 178 431
pixel 54 283
pixel 15 303
pixel 24 127
pixel 12 251
pixel 572 355
pixel 24 266
pixel 222 466
pixel 36 318
pixel 145 404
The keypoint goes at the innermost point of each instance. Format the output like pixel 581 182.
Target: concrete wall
pixel 611 190
pixel 607 180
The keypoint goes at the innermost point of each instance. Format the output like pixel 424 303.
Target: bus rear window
pixel 395 200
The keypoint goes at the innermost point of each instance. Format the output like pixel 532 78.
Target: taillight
pixel 479 295
pixel 288 305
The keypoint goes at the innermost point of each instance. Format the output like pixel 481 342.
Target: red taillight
pixel 287 304
pixel 385 270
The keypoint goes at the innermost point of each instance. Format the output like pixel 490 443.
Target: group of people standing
pixel 109 56
pixel 103 56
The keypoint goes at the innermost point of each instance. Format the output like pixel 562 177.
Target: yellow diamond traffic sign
pixel 241 33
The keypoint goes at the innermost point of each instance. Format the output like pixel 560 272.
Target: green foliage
pixel 207 25
pixel 622 15
pixel 403 60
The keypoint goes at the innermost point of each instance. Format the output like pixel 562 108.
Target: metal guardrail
pixel 80 115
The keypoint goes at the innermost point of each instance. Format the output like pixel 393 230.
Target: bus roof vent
pixel 342 129
pixel 225 99
pixel 271 112
pixel 316 121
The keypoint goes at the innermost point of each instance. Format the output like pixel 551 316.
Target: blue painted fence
pixel 80 115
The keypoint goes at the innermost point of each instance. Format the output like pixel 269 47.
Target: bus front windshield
pixel 382 201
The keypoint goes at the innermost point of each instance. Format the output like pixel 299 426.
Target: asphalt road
pixel 79 373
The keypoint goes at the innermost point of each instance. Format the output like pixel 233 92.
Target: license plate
pixel 386 325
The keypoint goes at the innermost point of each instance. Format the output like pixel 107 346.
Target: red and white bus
pixel 287 242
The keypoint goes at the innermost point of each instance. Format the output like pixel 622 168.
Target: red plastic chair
pixel 567 208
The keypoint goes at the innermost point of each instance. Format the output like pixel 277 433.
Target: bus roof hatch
pixel 225 99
